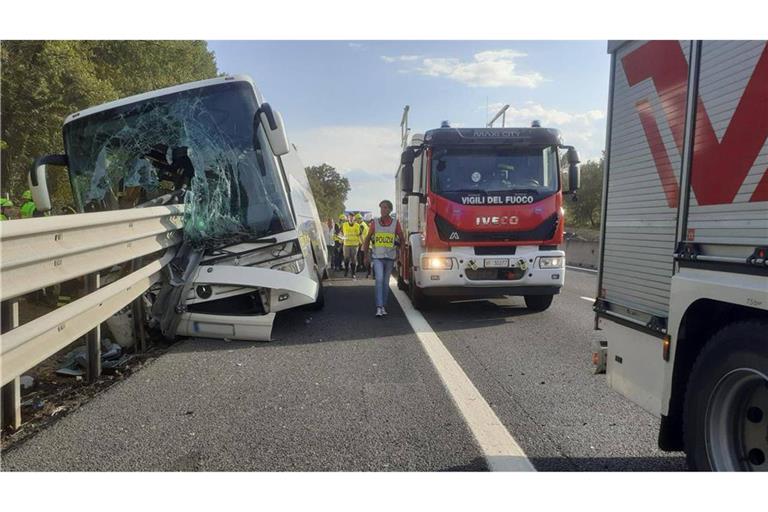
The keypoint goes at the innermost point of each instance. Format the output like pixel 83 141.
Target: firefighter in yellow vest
pixel 28 208
pixel 352 232
pixel 363 233
pixel 338 240
pixel 4 203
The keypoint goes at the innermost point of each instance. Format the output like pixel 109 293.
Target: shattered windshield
pixel 195 147
pixel 461 172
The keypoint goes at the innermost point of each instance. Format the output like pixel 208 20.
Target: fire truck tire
pixel 418 299
pixel 538 302
pixel 725 414
pixel 401 284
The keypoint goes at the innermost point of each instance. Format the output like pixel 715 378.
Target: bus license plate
pixel 497 262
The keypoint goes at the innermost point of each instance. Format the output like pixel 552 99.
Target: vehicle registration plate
pixel 497 262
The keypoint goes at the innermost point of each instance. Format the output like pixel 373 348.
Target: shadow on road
pixel 671 463
pixel 570 464
pixel 349 316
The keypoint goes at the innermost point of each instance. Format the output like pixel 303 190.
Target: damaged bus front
pixel 252 236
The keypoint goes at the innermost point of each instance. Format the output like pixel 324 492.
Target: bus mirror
pixel 38 183
pixel 274 128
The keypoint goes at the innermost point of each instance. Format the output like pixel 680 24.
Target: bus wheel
pixel 538 302
pixel 725 416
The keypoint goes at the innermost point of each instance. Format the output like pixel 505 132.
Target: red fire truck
pixel 482 211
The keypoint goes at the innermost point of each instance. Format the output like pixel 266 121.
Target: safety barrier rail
pixel 41 252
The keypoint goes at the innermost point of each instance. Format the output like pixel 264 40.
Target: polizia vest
pixel 384 241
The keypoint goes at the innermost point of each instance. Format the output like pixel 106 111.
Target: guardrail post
pixel 11 392
pixel 138 316
pixel 93 338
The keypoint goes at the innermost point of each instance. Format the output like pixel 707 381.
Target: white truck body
pixel 685 212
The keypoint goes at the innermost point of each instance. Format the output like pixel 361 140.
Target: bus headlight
pixel 436 263
pixel 551 262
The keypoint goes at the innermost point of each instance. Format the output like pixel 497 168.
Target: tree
pixel 329 188
pixel 44 81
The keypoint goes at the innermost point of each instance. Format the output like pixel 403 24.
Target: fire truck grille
pixel 449 233
pixel 494 274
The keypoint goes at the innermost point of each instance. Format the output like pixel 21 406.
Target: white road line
pixel 590 299
pixel 591 271
pixel 501 451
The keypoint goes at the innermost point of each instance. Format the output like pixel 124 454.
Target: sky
pixel 342 101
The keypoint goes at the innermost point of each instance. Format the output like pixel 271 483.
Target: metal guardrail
pixel 30 344
pixel 45 251
pixel 40 252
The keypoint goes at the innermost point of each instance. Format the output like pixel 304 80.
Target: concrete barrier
pixel 581 253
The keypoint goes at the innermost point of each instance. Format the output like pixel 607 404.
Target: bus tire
pixel 538 302
pixel 725 413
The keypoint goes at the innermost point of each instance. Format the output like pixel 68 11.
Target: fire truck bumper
pixel 460 272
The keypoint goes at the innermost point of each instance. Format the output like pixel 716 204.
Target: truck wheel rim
pixel 736 422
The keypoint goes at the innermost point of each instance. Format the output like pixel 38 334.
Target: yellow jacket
pixel 352 234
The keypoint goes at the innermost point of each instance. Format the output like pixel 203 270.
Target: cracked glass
pixel 194 147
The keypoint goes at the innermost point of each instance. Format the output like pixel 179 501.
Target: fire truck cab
pixel 482 211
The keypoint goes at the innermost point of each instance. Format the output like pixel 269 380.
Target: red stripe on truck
pixel 659 152
pixel 718 168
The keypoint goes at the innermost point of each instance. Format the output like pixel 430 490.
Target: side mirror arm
pixel 38 182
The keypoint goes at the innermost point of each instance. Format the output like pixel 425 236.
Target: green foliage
pixel 329 188
pixel 44 81
pixel 585 212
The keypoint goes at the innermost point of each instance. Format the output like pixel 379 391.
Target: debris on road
pixel 27 382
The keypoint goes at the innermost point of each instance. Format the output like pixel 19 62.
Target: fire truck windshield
pixel 460 172
pixel 195 145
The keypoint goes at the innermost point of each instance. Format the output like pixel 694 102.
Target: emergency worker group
pixel 356 245
pixel 27 208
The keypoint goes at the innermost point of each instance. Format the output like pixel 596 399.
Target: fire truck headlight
pixel 551 262
pixel 436 263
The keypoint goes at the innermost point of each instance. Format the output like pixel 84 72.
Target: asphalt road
pixel 342 390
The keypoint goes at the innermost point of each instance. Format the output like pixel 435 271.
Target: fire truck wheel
pixel 418 299
pixel 401 285
pixel 538 302
pixel 725 415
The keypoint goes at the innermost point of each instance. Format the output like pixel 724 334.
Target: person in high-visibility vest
pixel 352 232
pixel 363 233
pixel 28 208
pixel 338 239
pixel 384 237
pixel 5 203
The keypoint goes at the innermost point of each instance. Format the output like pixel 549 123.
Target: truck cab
pixel 483 213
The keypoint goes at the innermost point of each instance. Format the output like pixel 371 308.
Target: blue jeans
pixel 382 269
